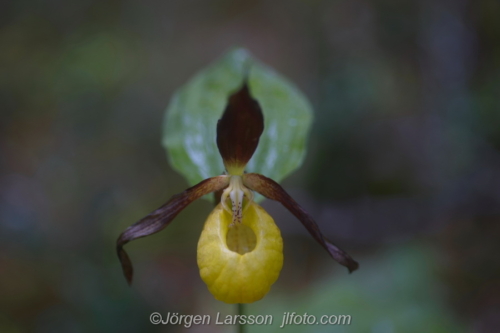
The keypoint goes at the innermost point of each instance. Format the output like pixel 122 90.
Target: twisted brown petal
pixel 272 190
pixel 239 129
pixel 160 218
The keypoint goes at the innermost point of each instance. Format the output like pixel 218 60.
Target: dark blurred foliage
pixel 404 153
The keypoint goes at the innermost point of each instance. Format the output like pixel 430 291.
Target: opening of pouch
pixel 240 238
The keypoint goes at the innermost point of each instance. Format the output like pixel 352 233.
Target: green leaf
pixel 190 123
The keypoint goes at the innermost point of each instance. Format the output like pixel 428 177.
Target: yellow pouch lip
pixel 240 278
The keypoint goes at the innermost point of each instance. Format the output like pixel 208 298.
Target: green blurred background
pixel 403 167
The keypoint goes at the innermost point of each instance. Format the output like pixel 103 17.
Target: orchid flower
pixel 240 251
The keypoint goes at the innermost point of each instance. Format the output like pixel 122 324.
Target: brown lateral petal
pixel 160 218
pixel 272 190
pixel 239 130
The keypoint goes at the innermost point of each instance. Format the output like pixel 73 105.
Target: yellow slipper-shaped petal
pixel 240 262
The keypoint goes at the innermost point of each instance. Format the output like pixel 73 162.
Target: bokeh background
pixel 403 167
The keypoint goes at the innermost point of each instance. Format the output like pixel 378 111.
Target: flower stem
pixel 241 311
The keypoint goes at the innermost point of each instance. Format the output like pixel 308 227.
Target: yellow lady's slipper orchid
pixel 240 251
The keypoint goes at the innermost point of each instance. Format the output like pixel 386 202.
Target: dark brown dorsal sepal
pixel 239 130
